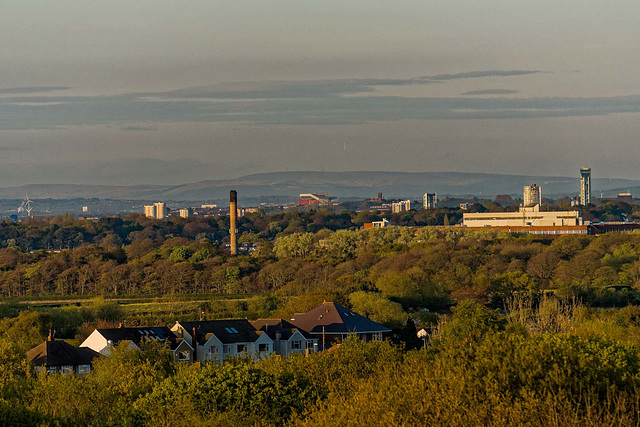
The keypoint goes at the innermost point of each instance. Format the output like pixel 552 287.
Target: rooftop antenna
pixel 26 206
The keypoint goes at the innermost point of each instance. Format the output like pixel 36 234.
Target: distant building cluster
pixel 530 213
pixel 160 211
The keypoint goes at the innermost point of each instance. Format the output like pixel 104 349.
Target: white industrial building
pixel 525 217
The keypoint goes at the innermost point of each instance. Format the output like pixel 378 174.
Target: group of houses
pixel 216 340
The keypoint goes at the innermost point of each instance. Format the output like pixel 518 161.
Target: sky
pixel 164 92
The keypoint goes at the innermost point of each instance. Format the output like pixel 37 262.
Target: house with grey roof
pixel 59 356
pixel 104 340
pixel 216 340
pixel 287 338
pixel 332 323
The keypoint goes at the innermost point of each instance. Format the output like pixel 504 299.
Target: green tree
pixel 179 254
pixel 378 308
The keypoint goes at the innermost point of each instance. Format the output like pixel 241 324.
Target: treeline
pixel 66 232
pixel 550 364
pixel 428 265
pixel 388 274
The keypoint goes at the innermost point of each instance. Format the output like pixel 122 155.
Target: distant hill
pixel 361 184
pixel 73 191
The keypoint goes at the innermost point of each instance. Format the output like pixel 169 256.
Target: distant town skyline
pixel 122 93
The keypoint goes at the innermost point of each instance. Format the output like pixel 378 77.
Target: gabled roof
pixel 228 331
pixel 138 335
pixel 335 319
pixel 286 329
pixel 60 353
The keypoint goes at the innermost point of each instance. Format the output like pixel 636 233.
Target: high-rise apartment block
pixel 430 200
pixel 150 211
pixel 585 186
pixel 161 210
pixel 186 213
pixel 532 196
pixel 401 206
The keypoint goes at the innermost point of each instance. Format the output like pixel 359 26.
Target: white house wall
pixel 296 336
pixel 97 342
pixel 203 350
pixel 185 334
pixel 263 339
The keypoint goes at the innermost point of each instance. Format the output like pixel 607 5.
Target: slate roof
pixel 286 329
pixel 60 353
pixel 223 330
pixel 335 319
pixel 137 335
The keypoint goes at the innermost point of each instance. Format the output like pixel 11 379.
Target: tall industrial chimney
pixel 233 216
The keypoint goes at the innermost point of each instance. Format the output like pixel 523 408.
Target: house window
pixel 296 345
pixel 184 355
pixel 263 347
pixel 66 369
pixel 310 345
pixel 376 336
pixel 213 350
pixel 84 369
pixel 52 369
pixel 241 348
pixel 227 349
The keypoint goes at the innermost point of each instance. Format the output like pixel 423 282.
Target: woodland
pixel 520 328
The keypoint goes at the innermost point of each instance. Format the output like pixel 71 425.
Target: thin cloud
pixel 32 89
pixel 321 88
pixel 304 111
pixel 479 74
pixel 293 103
pixel 287 89
pixel 137 128
pixel 491 92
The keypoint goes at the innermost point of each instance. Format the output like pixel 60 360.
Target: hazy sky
pixel 159 91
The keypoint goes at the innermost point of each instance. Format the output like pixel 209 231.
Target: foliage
pixel 526 335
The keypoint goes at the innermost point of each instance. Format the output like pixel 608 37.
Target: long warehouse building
pixel 525 217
